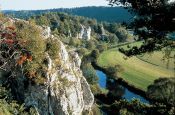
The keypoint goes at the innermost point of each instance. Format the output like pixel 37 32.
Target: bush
pixel 90 74
pixel 95 88
pixel 102 47
pixel 112 71
pixel 53 48
pixel 124 111
pixel 113 38
pixel 12 108
pixel 9 107
pixel 122 34
pixel 31 39
pixel 90 45
pixel 82 51
pixel 96 110
pixel 31 36
pixel 95 54
pixel 74 42
pixel 135 107
pixel 163 90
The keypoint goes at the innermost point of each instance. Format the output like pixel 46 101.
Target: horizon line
pixel 57 8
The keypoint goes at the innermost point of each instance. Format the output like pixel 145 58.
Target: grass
pixel 140 72
pixel 156 58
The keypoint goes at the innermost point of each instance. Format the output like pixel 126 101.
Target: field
pixel 139 71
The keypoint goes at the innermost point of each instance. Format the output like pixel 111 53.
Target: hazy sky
pixel 47 4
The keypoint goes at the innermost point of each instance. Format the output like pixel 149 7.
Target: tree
pixel 113 71
pixel 90 45
pixel 90 74
pixel 154 19
pixel 97 29
pixel 95 54
pixel 102 47
pixel 112 27
pixel 82 51
pixel 43 21
pixel 53 48
pixel 122 34
pixel 113 38
pixel 163 90
pixel 74 42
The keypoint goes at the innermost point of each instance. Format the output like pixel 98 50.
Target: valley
pixel 93 60
pixel 140 71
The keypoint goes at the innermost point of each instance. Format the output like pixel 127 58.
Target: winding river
pixel 127 94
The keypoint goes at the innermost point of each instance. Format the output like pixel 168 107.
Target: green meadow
pixel 140 71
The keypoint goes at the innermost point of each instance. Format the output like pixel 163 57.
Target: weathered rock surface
pixel 65 92
pixel 85 33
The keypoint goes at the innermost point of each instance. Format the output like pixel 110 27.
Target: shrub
pixel 95 54
pixel 82 51
pixel 95 88
pixel 53 48
pixel 90 45
pixel 89 73
pixel 113 38
pixel 102 47
pixel 96 110
pixel 31 37
pixel 33 42
pixel 32 47
pixel 9 107
pixel 74 42
pixel 112 71
pixel 163 90
pixel 40 80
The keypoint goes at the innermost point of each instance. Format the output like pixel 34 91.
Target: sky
pixel 48 4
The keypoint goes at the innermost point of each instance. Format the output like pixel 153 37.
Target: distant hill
pixel 109 14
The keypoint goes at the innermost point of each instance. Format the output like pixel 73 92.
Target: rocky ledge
pixel 65 91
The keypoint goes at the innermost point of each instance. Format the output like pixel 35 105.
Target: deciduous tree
pixel 153 19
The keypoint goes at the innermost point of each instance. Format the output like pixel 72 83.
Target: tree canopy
pixel 154 19
pixel 163 90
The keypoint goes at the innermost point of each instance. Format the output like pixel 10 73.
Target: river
pixel 127 94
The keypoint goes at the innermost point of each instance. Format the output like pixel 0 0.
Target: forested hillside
pixel 73 56
pixel 110 14
pixel 69 26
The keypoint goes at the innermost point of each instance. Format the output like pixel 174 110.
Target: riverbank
pixel 123 82
pixel 112 106
pixel 140 72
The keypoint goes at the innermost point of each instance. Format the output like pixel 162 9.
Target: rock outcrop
pixel 85 33
pixel 65 91
pixel 103 30
pixel 46 31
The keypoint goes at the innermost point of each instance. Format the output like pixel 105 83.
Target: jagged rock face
pixel 88 33
pixel 81 32
pixel 103 30
pixel 46 31
pixel 66 91
pixel 85 33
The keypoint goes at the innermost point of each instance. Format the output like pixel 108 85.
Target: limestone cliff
pixel 65 91
pixel 85 33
